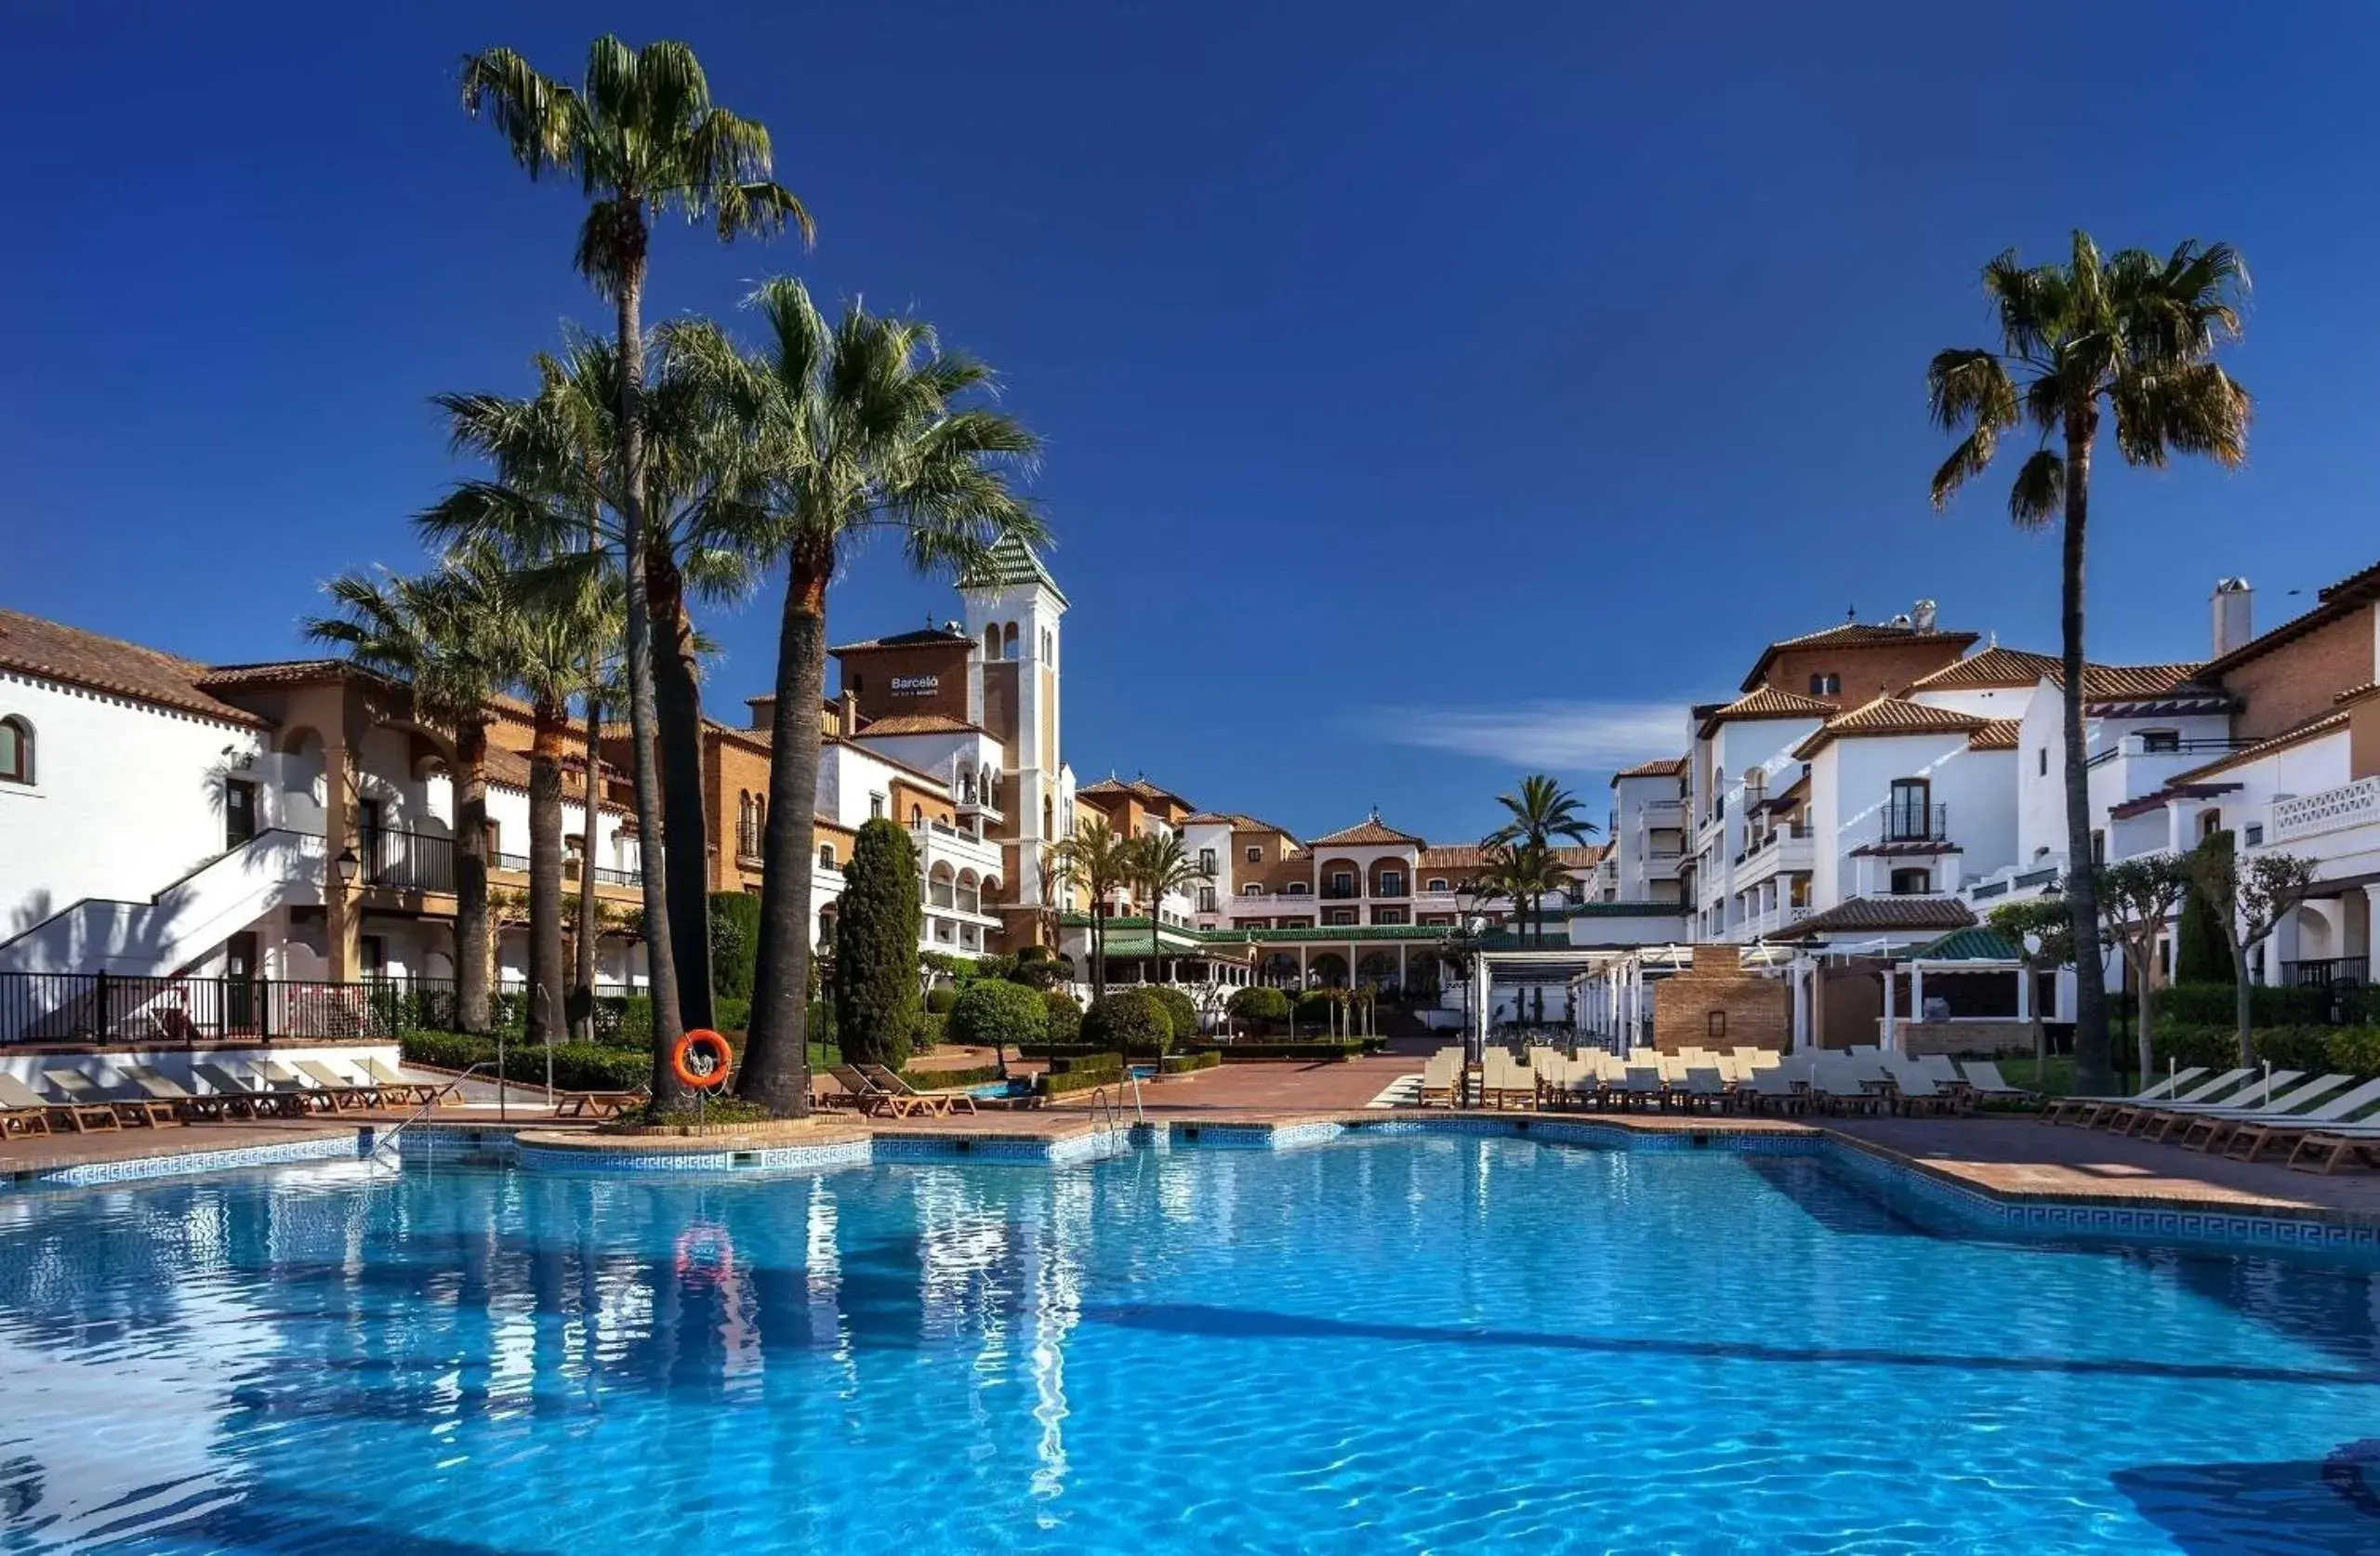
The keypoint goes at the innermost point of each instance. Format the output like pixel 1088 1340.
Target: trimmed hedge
pixel 1065 1017
pixel 2348 1049
pixel 577 1066
pixel 1058 1082
pixel 1182 1063
pixel 1177 1008
pixel 930 1080
pixel 940 998
pixel 1128 1020
pixel 1324 1050
pixel 1259 1004
pixel 2212 1005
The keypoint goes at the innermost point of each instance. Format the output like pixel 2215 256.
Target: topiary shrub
pixel 1064 1024
pixel 1260 1005
pixel 998 1016
pixel 1126 1020
pixel 1035 968
pixel 1314 1008
pixel 1183 1014
pixel 734 945
pixel 940 998
pixel 876 1002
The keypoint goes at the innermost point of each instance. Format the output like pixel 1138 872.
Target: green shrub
pixel 1326 1050
pixel 2356 1049
pixel 931 1080
pixel 577 1066
pixel 1081 1074
pixel 2212 1004
pixel 1178 1008
pixel 940 998
pixel 624 1020
pixel 1267 1006
pixel 1065 1024
pixel 1037 967
pixel 2201 954
pixel 822 1020
pixel 876 1004
pixel 1182 1063
pixel 998 1016
pixel 2296 1047
pixel 1316 1008
pixel 734 947
pixel 730 1013
pixel 1128 1020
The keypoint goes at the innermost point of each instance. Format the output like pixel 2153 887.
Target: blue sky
pixel 1432 392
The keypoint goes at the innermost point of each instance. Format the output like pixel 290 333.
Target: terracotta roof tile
pixel 1465 856
pixel 918 723
pixel 1884 913
pixel 1889 716
pixel 1995 666
pixel 1138 788
pixel 1999 735
pixel 1366 832
pixel 1853 634
pixel 78 658
pixel 906 639
pixel 1665 767
pixel 1767 702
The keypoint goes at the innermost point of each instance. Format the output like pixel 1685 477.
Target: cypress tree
pixel 2201 951
pixel 878 1007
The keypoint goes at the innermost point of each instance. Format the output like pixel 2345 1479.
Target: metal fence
pixel 120 1008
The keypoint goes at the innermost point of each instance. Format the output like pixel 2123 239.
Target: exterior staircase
pixel 180 924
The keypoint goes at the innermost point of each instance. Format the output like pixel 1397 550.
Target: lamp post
pixel 348 866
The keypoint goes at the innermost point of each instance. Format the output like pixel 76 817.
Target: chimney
pixel 1924 615
pixel 2234 612
pixel 764 710
pixel 848 715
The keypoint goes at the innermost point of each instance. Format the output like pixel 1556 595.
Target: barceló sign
pixel 915 686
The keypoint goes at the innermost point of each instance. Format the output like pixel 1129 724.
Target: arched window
pixel 1007 641
pixel 992 641
pixel 1046 826
pixel 917 815
pixel 16 751
pixel 1049 647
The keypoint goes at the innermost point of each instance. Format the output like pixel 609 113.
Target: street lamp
pixel 348 866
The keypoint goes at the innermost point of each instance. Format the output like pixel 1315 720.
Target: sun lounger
pixel 2158 1122
pixel 158 1086
pixel 299 1093
pixel 2250 1135
pixel 944 1100
pixel 1504 1082
pixel 2089 1111
pixel 1773 1091
pixel 1982 1078
pixel 256 1102
pixel 1643 1083
pixel 1839 1085
pixel 596 1105
pixel 870 1098
pixel 1704 1089
pixel 1441 1073
pixel 396 1088
pixel 2203 1132
pixel 2123 1115
pixel 80 1089
pixel 2335 1143
pixel 1915 1091
pixel 344 1091
pixel 1937 1068
pixel 34 1113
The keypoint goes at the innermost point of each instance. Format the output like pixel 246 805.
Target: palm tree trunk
pixel 582 983
pixel 678 700
pixel 2091 1069
pixel 545 1013
pixel 470 877
pixel 776 1054
pixel 661 966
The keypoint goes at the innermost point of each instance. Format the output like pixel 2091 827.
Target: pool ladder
pixel 1109 1107
pixel 382 1142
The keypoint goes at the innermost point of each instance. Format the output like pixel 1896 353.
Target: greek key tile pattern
pixel 778 1158
pixel 312 1148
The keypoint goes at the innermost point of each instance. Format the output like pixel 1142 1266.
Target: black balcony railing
pixel 1339 893
pixel 407 861
pixel 2327 972
pixel 120 1008
pixel 1908 822
pixel 617 878
pixel 516 863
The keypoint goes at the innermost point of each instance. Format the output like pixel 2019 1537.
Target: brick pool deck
pixel 2009 1156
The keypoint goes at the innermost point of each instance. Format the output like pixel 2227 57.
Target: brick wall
pixel 1868 670
pixel 1758 1012
pixel 2299 679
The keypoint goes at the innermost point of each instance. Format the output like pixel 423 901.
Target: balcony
pixel 1904 824
pixel 1789 849
pixel 409 861
pixel 1774 921
pixel 2349 805
pixel 2334 972
pixel 1339 893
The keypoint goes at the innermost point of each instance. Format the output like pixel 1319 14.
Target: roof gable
pixel 1766 702
pixel 55 652
pixel 1890 716
pixel 1853 635
pixel 1013 561
pixel 1369 831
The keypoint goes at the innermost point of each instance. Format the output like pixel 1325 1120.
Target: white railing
pixel 2356 804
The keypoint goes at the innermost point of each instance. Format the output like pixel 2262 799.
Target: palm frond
pixel 2038 495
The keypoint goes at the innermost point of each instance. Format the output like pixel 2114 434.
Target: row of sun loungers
pixel 878 1091
pixel 141 1096
pixel 1698 1080
pixel 2324 1120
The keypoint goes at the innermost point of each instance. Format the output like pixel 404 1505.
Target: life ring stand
pixel 704 1039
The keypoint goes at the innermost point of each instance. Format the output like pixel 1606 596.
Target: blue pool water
pixel 1418 1344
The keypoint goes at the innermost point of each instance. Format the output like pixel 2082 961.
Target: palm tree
pixel 642 137
pixel 1099 861
pixel 1524 872
pixel 1160 865
pixel 850 430
pixel 556 629
pixel 1541 812
pixel 440 635
pixel 2137 334
pixel 555 499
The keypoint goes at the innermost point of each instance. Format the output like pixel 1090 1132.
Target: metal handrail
pixel 408 1120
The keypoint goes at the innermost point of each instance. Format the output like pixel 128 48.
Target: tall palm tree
pixel 1541 811
pixel 1098 860
pixel 555 498
pixel 1159 864
pixel 441 634
pixel 642 137
pixel 556 629
pixel 2133 334
pixel 1523 872
pixel 851 429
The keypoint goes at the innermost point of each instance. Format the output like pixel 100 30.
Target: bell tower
pixel 1015 613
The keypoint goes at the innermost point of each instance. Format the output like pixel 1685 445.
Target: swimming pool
pixel 1436 1342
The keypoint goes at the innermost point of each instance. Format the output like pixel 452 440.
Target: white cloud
pixel 1590 736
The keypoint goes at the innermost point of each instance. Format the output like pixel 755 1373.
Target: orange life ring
pixel 709 1042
